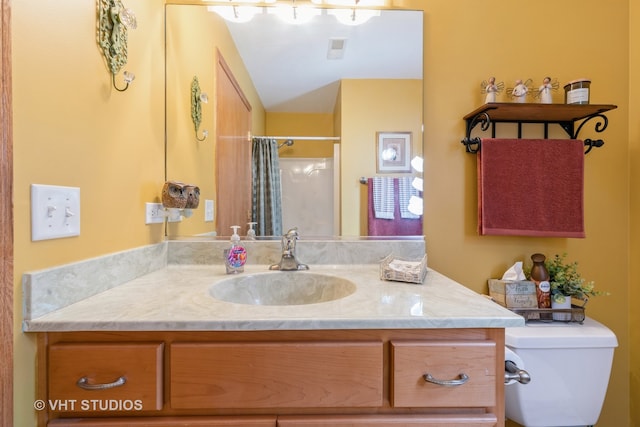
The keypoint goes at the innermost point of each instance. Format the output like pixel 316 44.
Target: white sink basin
pixel 282 288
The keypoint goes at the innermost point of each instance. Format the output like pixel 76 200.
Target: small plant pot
pixel 561 302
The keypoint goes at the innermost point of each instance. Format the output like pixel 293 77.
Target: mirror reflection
pixel 334 100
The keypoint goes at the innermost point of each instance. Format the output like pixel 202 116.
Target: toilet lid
pixel 589 334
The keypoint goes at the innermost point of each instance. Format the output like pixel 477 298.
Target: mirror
pixel 333 110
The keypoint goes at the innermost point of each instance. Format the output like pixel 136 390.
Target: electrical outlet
pixel 55 212
pixel 154 213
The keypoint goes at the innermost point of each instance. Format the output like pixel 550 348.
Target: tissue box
pixel 513 293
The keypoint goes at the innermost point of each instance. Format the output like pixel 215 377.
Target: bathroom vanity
pixel 161 350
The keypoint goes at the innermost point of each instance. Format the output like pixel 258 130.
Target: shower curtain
pixel 266 203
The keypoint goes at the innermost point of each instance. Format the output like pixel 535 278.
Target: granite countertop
pixel 176 297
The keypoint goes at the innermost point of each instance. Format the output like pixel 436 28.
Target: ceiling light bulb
pixel 415 205
pixel 417 183
pixel 417 163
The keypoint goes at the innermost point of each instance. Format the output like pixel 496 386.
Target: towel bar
pixel 473 145
pixel 565 115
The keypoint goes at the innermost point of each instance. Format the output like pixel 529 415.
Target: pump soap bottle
pixel 251 233
pixel 236 255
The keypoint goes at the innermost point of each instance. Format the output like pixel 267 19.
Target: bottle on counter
pixel 251 233
pixel 540 276
pixel 236 256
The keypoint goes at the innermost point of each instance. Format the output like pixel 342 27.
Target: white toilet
pixel 569 365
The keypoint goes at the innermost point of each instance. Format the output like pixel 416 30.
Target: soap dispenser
pixel 251 233
pixel 236 255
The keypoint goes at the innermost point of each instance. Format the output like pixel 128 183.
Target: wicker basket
pixel 403 270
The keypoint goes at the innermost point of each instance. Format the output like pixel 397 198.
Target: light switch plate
pixel 208 211
pixel 55 212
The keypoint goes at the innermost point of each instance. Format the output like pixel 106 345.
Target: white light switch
pixel 208 211
pixel 55 212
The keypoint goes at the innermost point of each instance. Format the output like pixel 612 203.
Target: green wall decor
pixel 197 98
pixel 114 21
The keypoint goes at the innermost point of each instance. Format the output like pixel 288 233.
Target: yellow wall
pixel 465 43
pixel 634 157
pixel 371 106
pixel 302 124
pixel 194 36
pixel 71 128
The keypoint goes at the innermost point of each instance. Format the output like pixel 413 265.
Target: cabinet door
pixel 110 377
pixel 276 374
pixel 481 420
pixel 446 362
pixel 223 421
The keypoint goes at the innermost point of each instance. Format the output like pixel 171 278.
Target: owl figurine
pixel 193 196
pixel 174 195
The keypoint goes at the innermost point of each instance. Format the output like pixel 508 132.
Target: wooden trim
pixel 6 220
pixel 232 79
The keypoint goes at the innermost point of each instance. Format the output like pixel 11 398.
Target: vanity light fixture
pixel 197 99
pixel 233 12
pixel 114 22
pixel 353 16
pixel 241 1
pixel 352 3
pixel 294 14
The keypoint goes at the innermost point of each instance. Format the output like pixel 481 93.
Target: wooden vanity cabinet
pixel 320 378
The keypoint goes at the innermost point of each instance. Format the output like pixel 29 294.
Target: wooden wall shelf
pixel 565 115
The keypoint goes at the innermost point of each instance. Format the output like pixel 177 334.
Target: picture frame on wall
pixel 393 152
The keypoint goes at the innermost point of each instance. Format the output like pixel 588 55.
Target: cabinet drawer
pixel 446 360
pixel 276 374
pixel 133 372
pixel 213 421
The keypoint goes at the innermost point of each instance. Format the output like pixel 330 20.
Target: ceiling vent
pixel 336 47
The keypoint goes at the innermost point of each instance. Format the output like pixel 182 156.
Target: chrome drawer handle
pixel 83 383
pixel 462 378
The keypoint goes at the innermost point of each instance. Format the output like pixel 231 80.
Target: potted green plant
pixel 566 282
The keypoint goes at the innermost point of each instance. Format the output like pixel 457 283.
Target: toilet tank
pixel 569 365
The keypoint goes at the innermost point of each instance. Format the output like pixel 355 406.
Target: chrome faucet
pixel 288 262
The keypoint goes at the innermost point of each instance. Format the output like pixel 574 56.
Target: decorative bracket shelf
pixel 565 115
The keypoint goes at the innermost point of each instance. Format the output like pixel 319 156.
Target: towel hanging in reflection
pixel 383 197
pixel 398 225
pixel 531 187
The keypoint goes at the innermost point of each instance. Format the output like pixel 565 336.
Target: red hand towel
pixel 531 187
